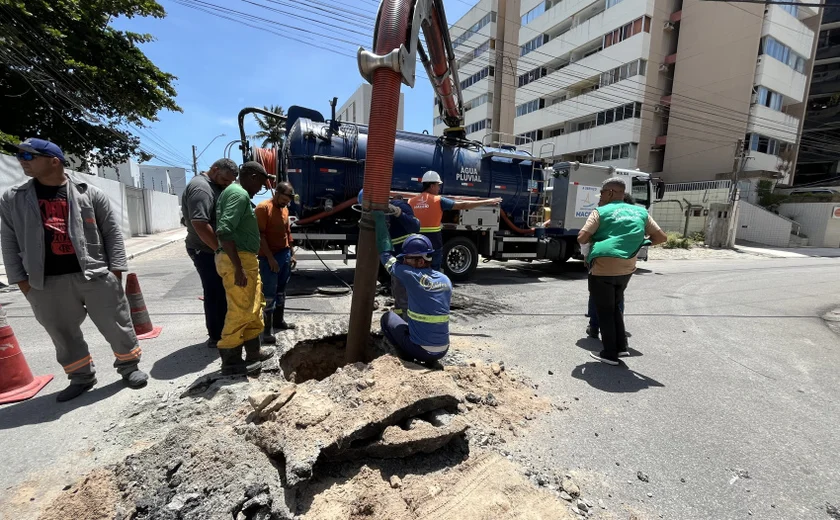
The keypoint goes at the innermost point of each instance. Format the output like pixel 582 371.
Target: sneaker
pixel 623 353
pixel 627 334
pixel 136 379
pixel 602 359
pixel 592 332
pixel 74 390
pixel 212 343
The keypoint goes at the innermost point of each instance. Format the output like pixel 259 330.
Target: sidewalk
pixel 134 246
pixel 789 252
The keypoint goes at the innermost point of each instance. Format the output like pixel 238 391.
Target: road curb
pixel 154 247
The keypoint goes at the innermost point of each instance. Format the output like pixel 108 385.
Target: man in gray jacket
pixel 63 246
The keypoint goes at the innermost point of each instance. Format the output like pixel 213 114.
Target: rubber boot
pixel 254 353
pixel 279 312
pixel 234 365
pixel 267 336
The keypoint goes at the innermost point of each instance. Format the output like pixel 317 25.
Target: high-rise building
pixel 819 154
pixel 672 87
pixel 486 43
pixel 357 107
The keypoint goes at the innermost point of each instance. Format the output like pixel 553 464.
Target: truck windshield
pixel 641 192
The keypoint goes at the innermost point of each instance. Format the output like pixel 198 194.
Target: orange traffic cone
pixel 16 380
pixel 139 315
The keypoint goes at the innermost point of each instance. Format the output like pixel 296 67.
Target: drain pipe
pixel 382 69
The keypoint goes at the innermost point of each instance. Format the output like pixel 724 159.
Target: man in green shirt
pixel 236 263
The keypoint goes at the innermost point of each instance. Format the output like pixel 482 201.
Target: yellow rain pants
pixel 243 320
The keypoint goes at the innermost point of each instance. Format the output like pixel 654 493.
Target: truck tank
pixel 327 168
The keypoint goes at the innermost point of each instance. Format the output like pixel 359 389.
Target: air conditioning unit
pixel 658 109
pixel 663 67
pixel 668 26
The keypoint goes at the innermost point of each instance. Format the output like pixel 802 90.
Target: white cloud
pixel 227 121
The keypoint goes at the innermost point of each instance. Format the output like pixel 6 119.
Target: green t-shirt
pixel 621 232
pixel 236 220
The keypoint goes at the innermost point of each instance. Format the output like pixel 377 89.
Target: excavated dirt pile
pixel 384 439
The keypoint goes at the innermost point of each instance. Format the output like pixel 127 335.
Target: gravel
pixel 696 253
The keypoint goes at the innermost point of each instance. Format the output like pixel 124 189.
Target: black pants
pixel 608 292
pixel 215 302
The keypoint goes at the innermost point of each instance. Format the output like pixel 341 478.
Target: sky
pixel 223 66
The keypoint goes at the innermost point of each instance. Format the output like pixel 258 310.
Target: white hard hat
pixel 431 176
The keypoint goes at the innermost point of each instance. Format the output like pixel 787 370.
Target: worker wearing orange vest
pixel 429 207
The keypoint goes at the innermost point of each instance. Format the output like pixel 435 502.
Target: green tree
pixel 271 128
pixel 66 75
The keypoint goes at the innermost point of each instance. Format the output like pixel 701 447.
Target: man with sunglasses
pixel 198 207
pixel 63 246
pixel 275 257
pixel 617 231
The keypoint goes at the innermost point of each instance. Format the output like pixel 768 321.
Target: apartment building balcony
pixel 788 29
pixel 627 131
pixel 772 123
pixel 477 88
pixel 581 106
pixel 762 162
pixel 589 66
pixel 781 78
pixel 589 31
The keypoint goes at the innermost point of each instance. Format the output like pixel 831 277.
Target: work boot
pixel 234 365
pixel 136 379
pixel 279 311
pixel 255 353
pixel 267 336
pixel 74 390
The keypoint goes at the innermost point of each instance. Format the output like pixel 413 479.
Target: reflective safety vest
pixel 427 209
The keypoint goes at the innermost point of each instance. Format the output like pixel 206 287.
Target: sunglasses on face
pixel 28 156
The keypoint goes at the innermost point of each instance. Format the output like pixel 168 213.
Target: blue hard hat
pixel 416 245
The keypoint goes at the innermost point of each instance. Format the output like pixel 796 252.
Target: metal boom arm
pixel 439 60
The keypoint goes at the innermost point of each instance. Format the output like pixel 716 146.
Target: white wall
pixel 163 211
pixel 816 220
pixel 670 217
pixel 758 225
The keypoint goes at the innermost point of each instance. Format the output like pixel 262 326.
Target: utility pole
pixel 195 161
pixel 738 167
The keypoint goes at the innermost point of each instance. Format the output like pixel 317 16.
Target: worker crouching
pixel 236 262
pixel 424 334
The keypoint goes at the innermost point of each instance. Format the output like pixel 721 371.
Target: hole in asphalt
pixel 319 358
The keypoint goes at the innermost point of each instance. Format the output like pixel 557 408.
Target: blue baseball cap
pixel 42 147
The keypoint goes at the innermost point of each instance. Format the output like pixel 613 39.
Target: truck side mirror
pixel 660 189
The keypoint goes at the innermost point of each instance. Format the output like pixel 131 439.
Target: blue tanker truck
pixel 544 203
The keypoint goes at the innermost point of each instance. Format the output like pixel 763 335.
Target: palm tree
pixel 271 128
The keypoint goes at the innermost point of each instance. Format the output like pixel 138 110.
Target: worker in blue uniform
pixel 424 334
pixel 401 224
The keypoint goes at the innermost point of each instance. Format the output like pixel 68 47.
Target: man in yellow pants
pixel 236 263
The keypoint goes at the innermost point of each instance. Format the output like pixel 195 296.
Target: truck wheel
pixel 460 258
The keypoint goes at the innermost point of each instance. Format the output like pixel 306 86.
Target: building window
pixel 533 13
pixel 763 144
pixel 438 121
pixel 473 54
pixel 530 106
pixel 487 97
pixel 478 76
pixel 627 111
pixel 768 98
pixel 477 26
pixel 792 9
pixel 622 33
pixel 611 3
pixel 353 107
pixel 607 153
pixel 534 44
pixel 773 48
pixel 529 137
pixel 478 125
pixel 532 76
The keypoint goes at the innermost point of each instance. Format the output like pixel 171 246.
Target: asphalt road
pixel 733 374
